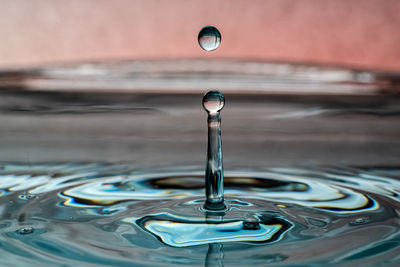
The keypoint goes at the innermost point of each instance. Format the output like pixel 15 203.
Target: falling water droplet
pixel 209 38
pixel 26 230
pixel 213 102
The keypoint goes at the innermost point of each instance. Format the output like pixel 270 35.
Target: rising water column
pixel 213 102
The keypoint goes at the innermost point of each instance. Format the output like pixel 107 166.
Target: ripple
pixel 326 195
pixel 117 215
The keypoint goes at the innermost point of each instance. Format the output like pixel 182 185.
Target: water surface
pixel 96 214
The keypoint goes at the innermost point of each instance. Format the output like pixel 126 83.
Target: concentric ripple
pixel 116 215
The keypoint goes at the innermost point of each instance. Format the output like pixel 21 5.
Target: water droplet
pixel 360 221
pixel 26 230
pixel 251 223
pixel 213 101
pixel 209 38
pixel 26 196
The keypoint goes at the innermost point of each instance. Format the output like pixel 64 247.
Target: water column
pixel 213 102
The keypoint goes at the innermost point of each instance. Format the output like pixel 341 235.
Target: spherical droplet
pixel 209 38
pixel 213 101
pixel 251 223
pixel 26 231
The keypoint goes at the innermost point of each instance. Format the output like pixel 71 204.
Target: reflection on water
pixel 57 214
pixel 188 231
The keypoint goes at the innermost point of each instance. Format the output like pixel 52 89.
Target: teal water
pixel 92 214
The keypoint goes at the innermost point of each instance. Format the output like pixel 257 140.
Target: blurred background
pixel 306 81
pixel 357 33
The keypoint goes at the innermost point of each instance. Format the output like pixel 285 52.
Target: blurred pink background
pixel 357 33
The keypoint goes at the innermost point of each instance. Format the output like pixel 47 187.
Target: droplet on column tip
pixel 213 101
